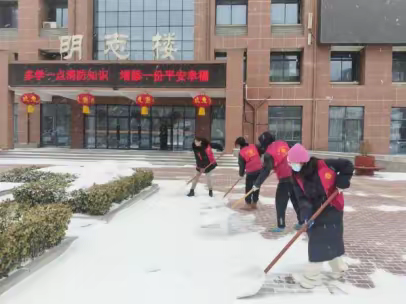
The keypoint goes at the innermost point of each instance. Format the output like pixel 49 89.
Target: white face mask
pixel 296 167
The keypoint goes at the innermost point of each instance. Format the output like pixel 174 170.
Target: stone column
pixel 234 97
pixel 6 104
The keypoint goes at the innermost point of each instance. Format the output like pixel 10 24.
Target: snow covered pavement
pixel 177 250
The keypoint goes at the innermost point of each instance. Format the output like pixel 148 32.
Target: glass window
pixel 141 20
pixel 344 66
pixel 57 11
pixel 285 12
pixel 8 14
pixel 218 119
pixel 399 67
pixel 285 67
pixel 398 131
pixel 220 55
pixel 346 129
pixel 286 123
pixel 231 12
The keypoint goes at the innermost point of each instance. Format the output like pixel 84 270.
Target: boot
pixel 247 207
pixel 191 193
pixel 254 206
pixel 338 267
pixel 211 193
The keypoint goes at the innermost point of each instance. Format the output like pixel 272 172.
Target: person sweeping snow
pixel 205 162
pixel 314 181
pixel 275 158
pixel 249 162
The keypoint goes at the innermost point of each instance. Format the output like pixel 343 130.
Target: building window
pixel 15 122
pixel 399 67
pixel 8 14
pixel 286 123
pixel 218 124
pixel 345 66
pixel 285 67
pixel 346 129
pixel 231 12
pixel 285 12
pixel 398 131
pixel 58 12
pixel 220 56
pixel 140 20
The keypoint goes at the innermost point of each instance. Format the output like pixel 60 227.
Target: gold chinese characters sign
pixel 31 100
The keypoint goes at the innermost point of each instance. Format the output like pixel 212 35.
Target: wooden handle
pixel 197 175
pixel 303 229
pixel 231 189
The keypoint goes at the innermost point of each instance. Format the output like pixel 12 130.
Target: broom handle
pixel 231 189
pixel 241 199
pixel 303 229
pixel 198 174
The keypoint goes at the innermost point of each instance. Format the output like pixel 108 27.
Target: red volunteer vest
pixel 328 180
pixel 279 152
pixel 210 155
pixel 252 159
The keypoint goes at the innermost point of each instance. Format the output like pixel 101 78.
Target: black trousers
pixel 284 191
pixel 249 183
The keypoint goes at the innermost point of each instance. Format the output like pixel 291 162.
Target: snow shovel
pixel 231 189
pixel 255 278
pixel 198 174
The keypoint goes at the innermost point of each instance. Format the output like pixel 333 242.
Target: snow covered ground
pixel 176 250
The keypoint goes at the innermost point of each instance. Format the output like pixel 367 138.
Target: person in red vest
pixel 249 161
pixel 205 162
pixel 275 158
pixel 314 181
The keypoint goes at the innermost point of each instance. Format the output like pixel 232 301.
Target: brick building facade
pixel 279 75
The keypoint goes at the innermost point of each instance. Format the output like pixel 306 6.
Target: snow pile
pixel 390 176
pixel 388 208
pixel 93 173
pixel 8 186
pixel 349 209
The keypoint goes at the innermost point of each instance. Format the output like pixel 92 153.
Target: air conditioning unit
pixel 49 25
pixel 310 21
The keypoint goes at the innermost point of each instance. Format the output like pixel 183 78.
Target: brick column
pixel 6 105
pixel 234 97
pixel 77 131
pixel 30 17
pixel 203 125
pixel 82 24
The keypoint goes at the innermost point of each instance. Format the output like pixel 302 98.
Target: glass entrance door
pixel 123 127
pixel 56 125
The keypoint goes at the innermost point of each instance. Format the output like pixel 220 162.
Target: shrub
pixel 49 191
pixel 28 232
pixel 32 174
pixel 98 199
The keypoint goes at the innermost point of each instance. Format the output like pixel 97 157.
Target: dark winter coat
pixel 326 236
pixel 202 159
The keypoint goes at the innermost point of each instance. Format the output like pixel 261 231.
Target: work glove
pixel 255 188
pixel 309 223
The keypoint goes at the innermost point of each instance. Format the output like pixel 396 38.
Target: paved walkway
pixel 375 221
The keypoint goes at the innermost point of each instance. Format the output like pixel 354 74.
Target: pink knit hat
pixel 298 154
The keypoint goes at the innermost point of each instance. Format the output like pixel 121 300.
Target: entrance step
pixel 157 158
